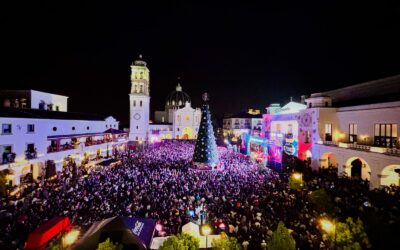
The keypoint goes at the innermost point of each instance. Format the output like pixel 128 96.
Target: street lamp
pixel 70 237
pixel 330 228
pixel 206 230
pixel 297 176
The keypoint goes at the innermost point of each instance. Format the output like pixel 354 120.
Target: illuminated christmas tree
pixel 205 151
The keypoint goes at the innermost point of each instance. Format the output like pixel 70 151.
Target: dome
pixel 177 99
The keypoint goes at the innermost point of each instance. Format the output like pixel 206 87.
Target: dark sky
pixel 244 54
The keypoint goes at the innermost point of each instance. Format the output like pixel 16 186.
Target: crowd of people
pixel 159 182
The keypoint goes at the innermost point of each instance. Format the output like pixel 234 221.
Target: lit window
pixel 385 135
pixel 352 132
pixel 328 131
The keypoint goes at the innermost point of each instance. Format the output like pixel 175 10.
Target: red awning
pixel 43 234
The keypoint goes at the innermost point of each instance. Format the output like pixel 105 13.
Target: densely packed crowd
pixel 160 183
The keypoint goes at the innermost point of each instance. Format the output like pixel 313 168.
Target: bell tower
pixel 139 100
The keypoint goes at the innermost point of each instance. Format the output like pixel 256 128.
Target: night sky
pixel 244 55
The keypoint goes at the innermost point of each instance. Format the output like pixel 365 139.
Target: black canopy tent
pixel 131 233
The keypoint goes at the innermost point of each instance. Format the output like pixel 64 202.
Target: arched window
pixel 141 88
pixel 141 103
pixel 141 75
pixel 310 105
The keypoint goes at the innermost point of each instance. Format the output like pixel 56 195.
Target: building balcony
pixel 363 147
pixel 63 147
pixel 30 155
pixel 8 158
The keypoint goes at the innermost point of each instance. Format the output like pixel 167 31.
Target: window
pixel 290 129
pixel 73 128
pixel 30 147
pixel 106 126
pixel 57 108
pixel 307 137
pixel 31 128
pixel 310 105
pixel 326 104
pixel 134 103
pixel 353 133
pixel 328 131
pixel 141 103
pixel 54 128
pixel 385 135
pixel 278 128
pixel 137 127
pixel 87 127
pixel 177 129
pixel 42 105
pixel 6 129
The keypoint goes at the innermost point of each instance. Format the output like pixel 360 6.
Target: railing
pixel 393 151
pixel 31 155
pixel 363 147
pixel 360 147
pixel 8 158
pixel 63 147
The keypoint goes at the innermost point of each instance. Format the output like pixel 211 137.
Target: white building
pixel 282 127
pixel 243 124
pixel 33 99
pixel 36 141
pixel 178 121
pixel 356 129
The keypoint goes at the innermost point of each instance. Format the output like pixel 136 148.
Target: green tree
pixel 3 184
pixel 109 245
pixel 350 235
pixel 281 239
pixel 205 150
pixel 181 242
pixel 225 243
pixel 321 201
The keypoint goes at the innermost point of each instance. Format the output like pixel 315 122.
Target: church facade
pixel 178 120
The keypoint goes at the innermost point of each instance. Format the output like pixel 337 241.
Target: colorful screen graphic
pixel 275 145
pixel 257 148
pixel 291 146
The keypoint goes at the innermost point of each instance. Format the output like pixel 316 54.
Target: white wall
pixel 186 117
pixel 48 98
pixel 44 128
pixel 139 117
